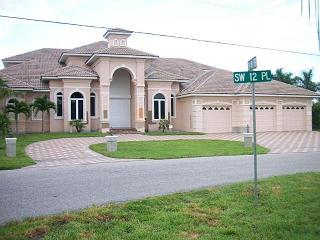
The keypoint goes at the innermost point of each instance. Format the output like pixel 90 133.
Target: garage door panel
pixel 294 118
pixel 265 118
pixel 216 119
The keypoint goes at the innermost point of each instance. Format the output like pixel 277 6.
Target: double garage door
pixel 216 119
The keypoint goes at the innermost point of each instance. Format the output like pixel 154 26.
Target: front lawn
pixel 289 209
pixel 176 149
pixel 160 133
pixel 22 159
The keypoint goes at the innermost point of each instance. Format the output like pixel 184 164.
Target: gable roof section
pixel 70 72
pixel 119 52
pixel 221 82
pixel 85 50
pixel 178 66
pixel 27 74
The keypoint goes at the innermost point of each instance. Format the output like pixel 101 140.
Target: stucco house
pixel 109 85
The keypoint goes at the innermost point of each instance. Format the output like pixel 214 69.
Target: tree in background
pixel 18 107
pixel 316 115
pixel 286 77
pixel 4 90
pixel 42 104
pixel 306 82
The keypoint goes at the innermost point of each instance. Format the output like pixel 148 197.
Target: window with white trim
pixel 77 106
pixel 93 102
pixel 115 42
pixel 59 105
pixel 173 105
pixel 159 111
pixel 123 43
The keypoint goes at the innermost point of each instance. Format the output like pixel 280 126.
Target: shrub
pixel 4 124
pixel 78 124
pixel 164 125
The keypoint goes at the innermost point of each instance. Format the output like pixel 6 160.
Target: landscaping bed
pixel 176 149
pixel 288 209
pixel 22 159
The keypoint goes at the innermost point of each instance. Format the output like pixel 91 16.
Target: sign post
pixel 253 77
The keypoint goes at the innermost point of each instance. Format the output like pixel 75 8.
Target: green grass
pixel 22 159
pixel 289 209
pixel 176 149
pixel 160 133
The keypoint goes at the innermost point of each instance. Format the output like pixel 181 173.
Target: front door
pixel 120 100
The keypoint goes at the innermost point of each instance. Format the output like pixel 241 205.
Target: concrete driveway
pixel 75 151
pixel 40 191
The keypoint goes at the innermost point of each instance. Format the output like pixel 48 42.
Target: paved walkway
pixel 73 151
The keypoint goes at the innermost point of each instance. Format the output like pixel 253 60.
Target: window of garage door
pixel 216 119
pixel 294 118
pixel 266 118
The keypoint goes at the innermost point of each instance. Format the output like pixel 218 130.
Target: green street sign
pixel 252 76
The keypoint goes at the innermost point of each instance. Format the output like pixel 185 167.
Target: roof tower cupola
pixel 117 37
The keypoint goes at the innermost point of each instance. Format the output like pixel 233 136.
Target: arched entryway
pixel 120 99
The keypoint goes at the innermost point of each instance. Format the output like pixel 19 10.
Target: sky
pixel 273 24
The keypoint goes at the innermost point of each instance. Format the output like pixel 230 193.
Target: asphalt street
pixel 42 191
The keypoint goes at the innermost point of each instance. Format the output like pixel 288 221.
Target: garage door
pixel 266 118
pixel 216 119
pixel 294 118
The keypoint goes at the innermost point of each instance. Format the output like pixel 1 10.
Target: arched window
pixel 93 104
pixel 159 106
pixel 173 105
pixel 76 106
pixel 123 43
pixel 115 42
pixel 59 105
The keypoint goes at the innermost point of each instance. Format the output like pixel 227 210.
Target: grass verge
pixel 176 149
pixel 22 159
pixel 289 209
pixel 160 133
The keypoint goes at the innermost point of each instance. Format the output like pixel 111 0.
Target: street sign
pixel 252 63
pixel 252 76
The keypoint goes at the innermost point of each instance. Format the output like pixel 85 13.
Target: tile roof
pixel 89 48
pixel 71 71
pixel 199 78
pixel 28 73
pixel 221 82
pixel 39 53
pixel 117 31
pixel 153 73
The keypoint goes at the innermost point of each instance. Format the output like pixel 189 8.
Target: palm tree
pixel 306 82
pixel 17 107
pixel 4 90
pixel 43 104
pixel 286 77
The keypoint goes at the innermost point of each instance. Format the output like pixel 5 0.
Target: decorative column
pixel 104 107
pixel 139 97
pixel 309 117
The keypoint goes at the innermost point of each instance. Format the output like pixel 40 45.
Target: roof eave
pixel 64 56
pixel 67 77
pixel 94 56
pixel 244 94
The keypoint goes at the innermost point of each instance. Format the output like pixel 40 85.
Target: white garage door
pixel 120 113
pixel 294 118
pixel 266 118
pixel 216 119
